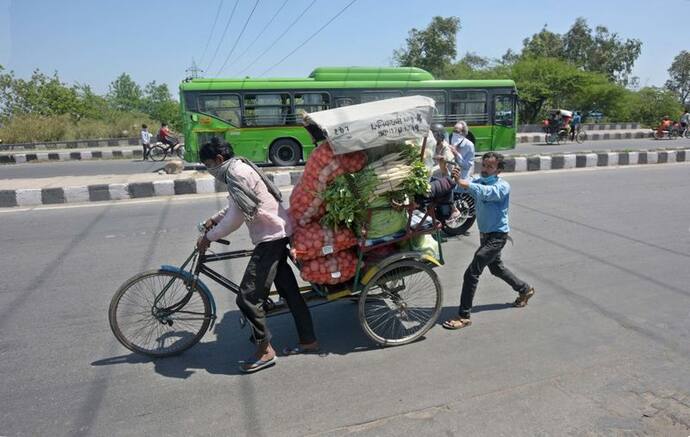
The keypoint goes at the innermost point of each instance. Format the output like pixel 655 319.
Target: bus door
pixel 503 126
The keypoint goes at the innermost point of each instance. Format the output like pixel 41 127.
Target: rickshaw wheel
pixel 400 303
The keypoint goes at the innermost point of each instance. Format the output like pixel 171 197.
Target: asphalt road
pixel 602 349
pixel 96 167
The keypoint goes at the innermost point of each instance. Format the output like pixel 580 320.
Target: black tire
pixel 551 138
pixel 157 153
pixel 186 320
pixel 285 152
pixel 580 137
pixel 386 305
pixel 180 152
pixel 461 224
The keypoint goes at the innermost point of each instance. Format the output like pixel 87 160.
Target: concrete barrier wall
pixel 78 144
pixel 531 128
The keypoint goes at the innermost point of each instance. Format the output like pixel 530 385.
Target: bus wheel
pixel 285 152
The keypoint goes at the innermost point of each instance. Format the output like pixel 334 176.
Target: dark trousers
pixel 267 265
pixel 147 149
pixel 488 254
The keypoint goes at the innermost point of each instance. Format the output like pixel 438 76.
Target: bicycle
pixel 557 137
pixel 160 151
pixel 579 135
pixel 164 312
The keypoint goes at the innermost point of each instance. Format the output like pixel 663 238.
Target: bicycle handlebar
pixel 221 241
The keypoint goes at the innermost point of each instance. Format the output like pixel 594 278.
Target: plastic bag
pixel 385 221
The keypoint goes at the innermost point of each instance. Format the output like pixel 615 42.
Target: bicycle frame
pixel 191 276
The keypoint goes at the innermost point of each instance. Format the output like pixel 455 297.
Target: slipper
pixel 297 350
pixel 253 365
pixel 456 323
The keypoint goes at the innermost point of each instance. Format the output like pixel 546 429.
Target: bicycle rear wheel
pixel 175 324
pixel 400 303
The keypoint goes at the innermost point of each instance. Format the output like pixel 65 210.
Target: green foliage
pixel 651 104
pixel 124 94
pixel 679 71
pixel 26 128
pixel 43 108
pixel 432 48
pixel 543 81
pixel 598 51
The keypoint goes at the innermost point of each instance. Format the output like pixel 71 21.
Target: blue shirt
pixel 491 204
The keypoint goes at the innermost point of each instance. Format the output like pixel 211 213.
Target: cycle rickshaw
pixel 165 311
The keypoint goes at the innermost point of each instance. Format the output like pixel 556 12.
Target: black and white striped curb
pixel 82 155
pixel 105 192
pixel 73 144
pixel 121 191
pixel 591 136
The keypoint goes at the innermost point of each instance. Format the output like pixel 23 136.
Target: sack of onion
pixel 330 269
pixel 315 240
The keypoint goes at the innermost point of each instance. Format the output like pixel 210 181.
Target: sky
pixel 94 41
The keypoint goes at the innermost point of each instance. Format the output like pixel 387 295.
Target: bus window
pixel 267 110
pixel 469 106
pixel 440 99
pixel 504 110
pixel 372 96
pixel 223 106
pixel 311 102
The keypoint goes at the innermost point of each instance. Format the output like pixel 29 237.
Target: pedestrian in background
pixel 145 141
pixel 492 196
pixel 463 149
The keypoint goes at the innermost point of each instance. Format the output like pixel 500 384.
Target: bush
pixel 28 128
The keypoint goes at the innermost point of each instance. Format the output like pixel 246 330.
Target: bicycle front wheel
pixel 157 153
pixel 173 325
pixel 581 137
pixel 400 303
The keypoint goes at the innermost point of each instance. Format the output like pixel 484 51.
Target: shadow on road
pixel 337 328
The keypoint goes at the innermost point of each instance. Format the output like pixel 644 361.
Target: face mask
pixel 488 180
pixel 216 172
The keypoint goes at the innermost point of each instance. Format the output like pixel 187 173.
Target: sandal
pixel 522 299
pixel 458 323
pixel 300 350
pixel 254 365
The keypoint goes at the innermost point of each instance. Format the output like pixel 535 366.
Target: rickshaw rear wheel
pixel 400 303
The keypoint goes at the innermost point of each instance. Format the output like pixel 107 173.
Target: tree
pixel 158 103
pixel 679 71
pixel 598 51
pixel 433 48
pixel 92 106
pixel 40 95
pixel 544 44
pixel 650 104
pixel 542 81
pixel 124 94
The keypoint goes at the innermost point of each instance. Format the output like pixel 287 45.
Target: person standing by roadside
pixel 253 199
pixel 463 149
pixel 492 195
pixel 145 141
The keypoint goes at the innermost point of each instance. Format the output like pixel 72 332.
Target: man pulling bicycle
pixel 254 200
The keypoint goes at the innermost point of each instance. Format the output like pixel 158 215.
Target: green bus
pixel 261 118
